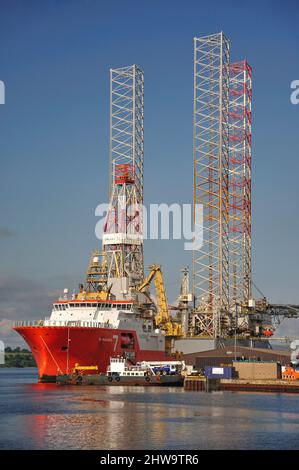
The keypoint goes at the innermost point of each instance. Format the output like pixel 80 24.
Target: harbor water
pixel 47 416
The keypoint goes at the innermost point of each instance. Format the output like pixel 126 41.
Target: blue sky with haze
pixel 55 58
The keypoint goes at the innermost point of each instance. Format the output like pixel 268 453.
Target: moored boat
pixel 120 372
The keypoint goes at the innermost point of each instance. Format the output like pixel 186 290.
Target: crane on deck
pixel 163 318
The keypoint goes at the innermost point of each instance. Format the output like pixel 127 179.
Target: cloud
pixel 6 232
pixel 17 291
pixel 8 335
pixel 5 327
pixel 22 299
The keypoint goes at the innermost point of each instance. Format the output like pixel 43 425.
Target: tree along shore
pixel 18 357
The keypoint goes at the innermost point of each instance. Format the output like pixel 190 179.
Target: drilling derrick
pixel 240 182
pixel 122 239
pixel 211 166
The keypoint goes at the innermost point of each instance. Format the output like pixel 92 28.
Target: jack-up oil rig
pixel 113 312
pixel 223 304
pixel 220 304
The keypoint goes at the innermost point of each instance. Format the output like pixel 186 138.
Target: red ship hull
pixel 57 349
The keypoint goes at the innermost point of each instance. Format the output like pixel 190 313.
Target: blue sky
pixel 55 58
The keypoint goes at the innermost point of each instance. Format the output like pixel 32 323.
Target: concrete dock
pixel 276 386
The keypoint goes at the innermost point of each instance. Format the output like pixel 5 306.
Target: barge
pixel 120 372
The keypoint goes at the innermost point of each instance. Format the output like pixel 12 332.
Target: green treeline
pixel 18 357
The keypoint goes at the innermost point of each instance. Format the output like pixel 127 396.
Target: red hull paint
pixel 57 349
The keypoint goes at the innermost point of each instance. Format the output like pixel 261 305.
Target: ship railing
pixel 29 323
pixel 80 323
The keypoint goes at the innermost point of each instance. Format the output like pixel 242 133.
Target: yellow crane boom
pixel 163 319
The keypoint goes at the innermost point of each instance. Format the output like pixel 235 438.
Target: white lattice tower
pixel 122 240
pixel 211 155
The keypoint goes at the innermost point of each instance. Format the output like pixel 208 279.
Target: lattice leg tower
pixel 211 166
pixel 123 237
pixel 240 182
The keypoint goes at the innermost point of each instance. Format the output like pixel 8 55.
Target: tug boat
pixel 120 372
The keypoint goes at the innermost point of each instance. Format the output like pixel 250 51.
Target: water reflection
pixel 45 416
pixel 108 425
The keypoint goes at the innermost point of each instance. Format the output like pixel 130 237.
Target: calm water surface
pixel 46 416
